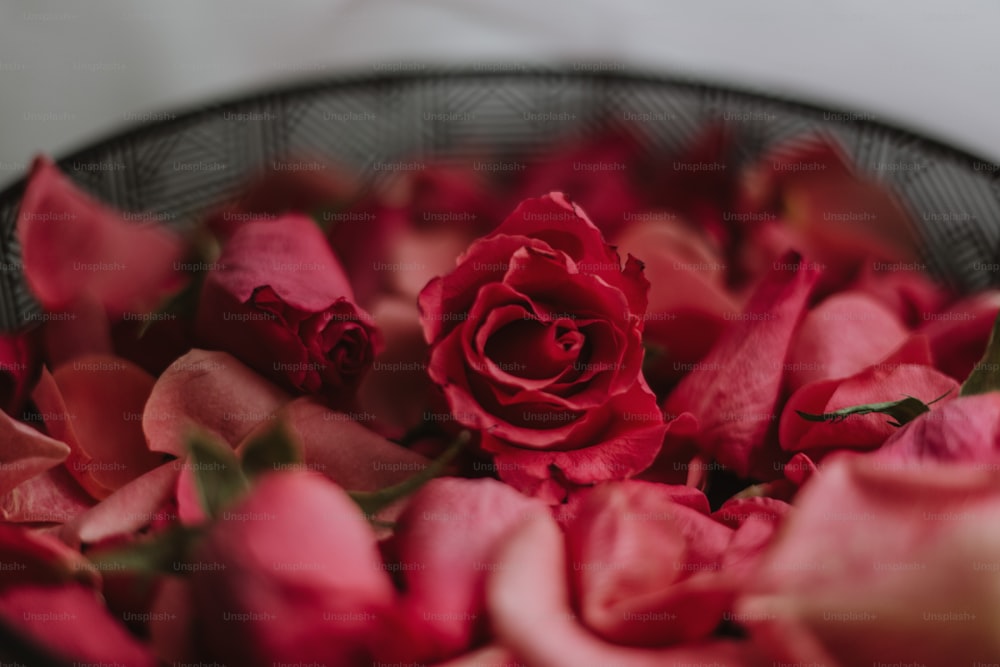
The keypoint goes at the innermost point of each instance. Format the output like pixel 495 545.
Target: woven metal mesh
pixel 954 198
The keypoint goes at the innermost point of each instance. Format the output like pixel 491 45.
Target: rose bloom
pixel 279 300
pixel 536 341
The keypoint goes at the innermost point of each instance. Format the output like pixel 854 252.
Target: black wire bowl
pixel 953 196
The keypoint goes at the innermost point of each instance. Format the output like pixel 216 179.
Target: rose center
pixel 534 349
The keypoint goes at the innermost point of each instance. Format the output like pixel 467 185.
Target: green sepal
pixel 902 411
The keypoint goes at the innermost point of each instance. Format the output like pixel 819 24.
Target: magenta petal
pixel 532 614
pixel 127 510
pixel 73 245
pixel 72 622
pixel 53 497
pixel 318 589
pixel 879 564
pixel 450 532
pixel 736 399
pixel 842 335
pixel 876 384
pixel 616 582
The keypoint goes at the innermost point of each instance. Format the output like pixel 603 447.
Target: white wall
pixel 73 71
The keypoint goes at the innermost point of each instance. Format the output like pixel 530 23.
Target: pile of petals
pixel 693 410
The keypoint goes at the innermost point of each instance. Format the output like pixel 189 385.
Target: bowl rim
pixel 187 113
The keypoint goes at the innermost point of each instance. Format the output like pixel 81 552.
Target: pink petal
pixel 37 558
pixel 25 453
pixel 736 399
pixel 73 245
pixel 318 591
pixel 532 617
pixel 127 510
pixel 628 444
pixel 211 391
pixel 170 631
pixel 616 582
pixel 338 447
pixel 80 329
pixel 883 564
pixel 965 430
pixel 71 622
pixel 397 392
pixel 876 384
pixel 958 335
pixel 54 497
pixel 841 336
pixel 445 543
pixel 104 398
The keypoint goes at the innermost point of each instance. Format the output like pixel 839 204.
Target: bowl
pixel 515 113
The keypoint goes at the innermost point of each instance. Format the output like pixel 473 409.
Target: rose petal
pixel 348 453
pixel 80 329
pixel 876 384
pixel 25 453
pixel 965 430
pixel 628 437
pixel 450 531
pixel 616 528
pixel 841 336
pixel 959 334
pixel 314 557
pixel 211 391
pixel 71 245
pixel 104 399
pixel 892 572
pixel 530 607
pixel 127 510
pixel 54 497
pixel 70 621
pixel 735 399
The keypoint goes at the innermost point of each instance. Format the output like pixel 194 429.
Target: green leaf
pixel 371 502
pixel 902 411
pixel 273 449
pixel 159 554
pixel 218 475
pixel 985 375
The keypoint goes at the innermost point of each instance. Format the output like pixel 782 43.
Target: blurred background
pixel 71 73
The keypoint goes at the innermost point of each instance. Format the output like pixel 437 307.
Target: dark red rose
pixel 536 340
pixel 279 301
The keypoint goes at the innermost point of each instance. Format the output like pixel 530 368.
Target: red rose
pixel 536 339
pixel 279 300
